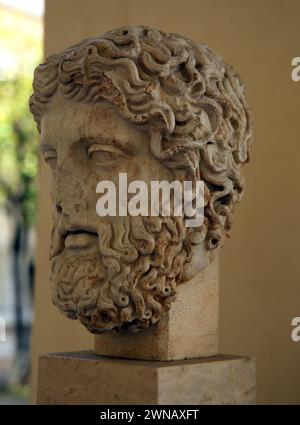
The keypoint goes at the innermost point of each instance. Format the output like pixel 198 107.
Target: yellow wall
pixel 260 285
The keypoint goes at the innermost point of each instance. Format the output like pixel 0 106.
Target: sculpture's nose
pixel 70 207
pixel 68 193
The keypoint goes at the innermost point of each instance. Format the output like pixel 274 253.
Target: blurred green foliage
pixel 18 149
pixel 20 50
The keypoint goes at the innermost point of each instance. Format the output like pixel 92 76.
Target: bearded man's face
pixel 109 272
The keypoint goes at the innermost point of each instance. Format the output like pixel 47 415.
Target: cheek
pixel 95 176
pixel 147 168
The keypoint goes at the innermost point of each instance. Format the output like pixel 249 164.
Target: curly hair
pixel 192 102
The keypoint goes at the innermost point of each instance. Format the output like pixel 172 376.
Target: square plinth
pixel 86 378
pixel 188 330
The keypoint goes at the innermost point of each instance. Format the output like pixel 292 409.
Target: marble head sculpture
pixel 156 106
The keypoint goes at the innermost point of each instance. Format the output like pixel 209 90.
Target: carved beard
pixel 130 282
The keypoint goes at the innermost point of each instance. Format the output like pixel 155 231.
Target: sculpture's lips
pixel 80 238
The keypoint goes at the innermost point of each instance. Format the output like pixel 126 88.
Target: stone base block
pixel 86 378
pixel 188 330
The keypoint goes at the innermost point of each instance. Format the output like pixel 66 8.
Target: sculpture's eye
pixel 104 154
pixel 50 157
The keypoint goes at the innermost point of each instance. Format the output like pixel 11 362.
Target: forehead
pixel 64 120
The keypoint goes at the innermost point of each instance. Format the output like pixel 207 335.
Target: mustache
pixel 113 237
pixel 123 238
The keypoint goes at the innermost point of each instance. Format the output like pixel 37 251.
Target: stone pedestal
pixel 85 378
pixel 188 330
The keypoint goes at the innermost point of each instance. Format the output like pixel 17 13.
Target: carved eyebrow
pixel 46 147
pixel 125 147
